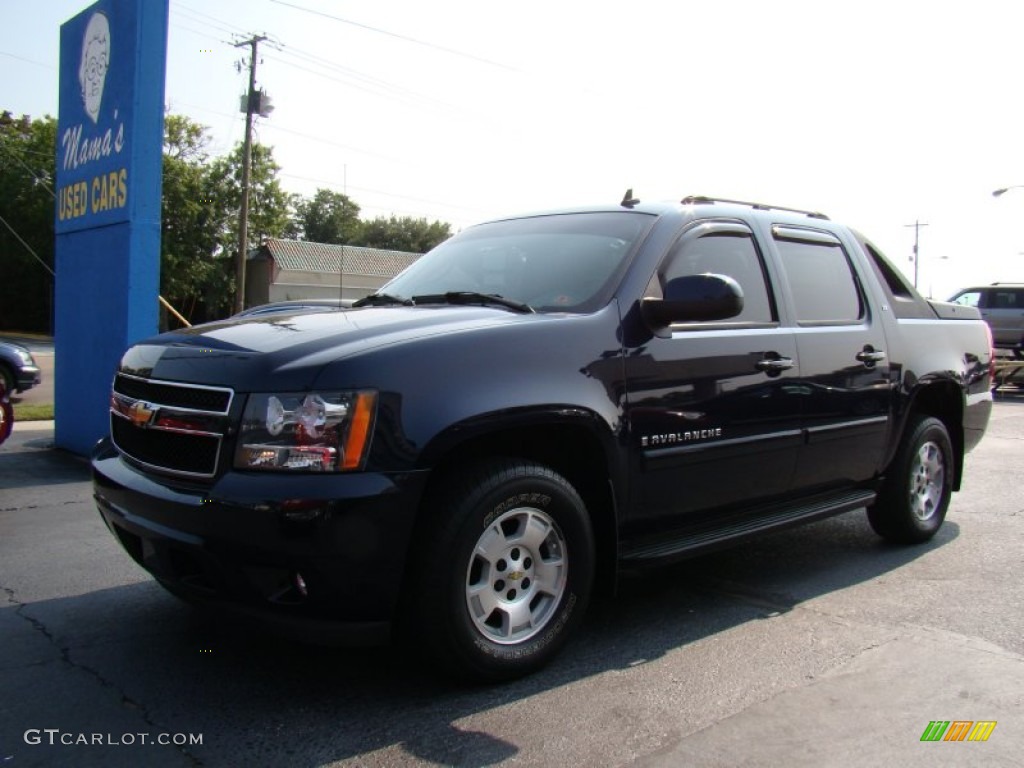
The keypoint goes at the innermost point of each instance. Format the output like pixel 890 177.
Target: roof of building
pixel 304 256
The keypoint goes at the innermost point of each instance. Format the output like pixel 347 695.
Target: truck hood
pixel 293 348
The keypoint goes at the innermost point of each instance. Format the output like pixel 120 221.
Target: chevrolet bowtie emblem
pixel 142 413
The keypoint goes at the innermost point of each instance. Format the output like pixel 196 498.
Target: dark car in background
pixel 1002 307
pixel 18 369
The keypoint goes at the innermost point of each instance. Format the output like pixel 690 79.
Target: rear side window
pixel 905 301
pixel 821 279
pixel 1006 299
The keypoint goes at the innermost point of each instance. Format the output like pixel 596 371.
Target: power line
pixel 201 34
pixel 27 246
pixel 397 36
pixel 30 61
pixel 224 26
pixel 25 150
pixel 336 144
pixel 386 194
pixel 377 87
pixel 321 139
pixel 32 173
pixel 332 183
pixel 321 61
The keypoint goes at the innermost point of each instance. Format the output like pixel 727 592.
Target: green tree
pixel 27 174
pixel 270 207
pixel 403 233
pixel 328 217
pixel 194 221
pixel 199 230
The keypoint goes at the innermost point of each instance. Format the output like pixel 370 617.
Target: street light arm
pixel 1004 190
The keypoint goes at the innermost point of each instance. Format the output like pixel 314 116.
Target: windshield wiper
pixel 473 297
pixel 382 299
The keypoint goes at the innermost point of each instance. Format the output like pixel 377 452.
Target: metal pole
pixel 243 215
pixel 917 260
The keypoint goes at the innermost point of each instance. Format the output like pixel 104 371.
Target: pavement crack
pixel 41 506
pixel 95 674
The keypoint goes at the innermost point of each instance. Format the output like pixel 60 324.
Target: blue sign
pixel 107 217
pixel 94 129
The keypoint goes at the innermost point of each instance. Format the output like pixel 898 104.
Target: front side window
pixel 820 277
pixel 724 249
pixel 556 263
pixel 968 298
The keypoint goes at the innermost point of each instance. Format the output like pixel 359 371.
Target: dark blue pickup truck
pixel 463 458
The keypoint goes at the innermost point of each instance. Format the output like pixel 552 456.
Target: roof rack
pixel 702 200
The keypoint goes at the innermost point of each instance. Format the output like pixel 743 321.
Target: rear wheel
pixel 503 572
pixel 912 503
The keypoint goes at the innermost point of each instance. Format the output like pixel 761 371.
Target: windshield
pixel 557 263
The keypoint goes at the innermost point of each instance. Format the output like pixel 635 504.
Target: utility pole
pixel 917 260
pixel 243 216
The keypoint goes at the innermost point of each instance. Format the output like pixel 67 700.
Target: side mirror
pixel 694 299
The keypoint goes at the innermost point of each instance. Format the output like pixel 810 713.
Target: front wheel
pixel 912 503
pixel 7 380
pixel 503 572
pixel 6 414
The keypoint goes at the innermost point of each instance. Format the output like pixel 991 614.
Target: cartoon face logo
pixel 92 72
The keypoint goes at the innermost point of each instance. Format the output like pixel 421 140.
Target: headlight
pixel 307 431
pixel 25 355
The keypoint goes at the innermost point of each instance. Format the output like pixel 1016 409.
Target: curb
pixel 33 426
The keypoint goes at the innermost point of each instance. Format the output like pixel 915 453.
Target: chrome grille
pixel 212 400
pixel 169 427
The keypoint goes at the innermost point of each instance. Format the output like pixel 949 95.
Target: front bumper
pixel 325 550
pixel 26 377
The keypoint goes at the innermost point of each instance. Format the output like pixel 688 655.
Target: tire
pixel 179 594
pixel 7 379
pixel 502 572
pixel 912 503
pixel 6 417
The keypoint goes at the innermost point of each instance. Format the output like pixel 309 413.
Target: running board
pixel 698 539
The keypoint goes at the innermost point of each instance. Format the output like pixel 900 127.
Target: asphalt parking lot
pixel 820 646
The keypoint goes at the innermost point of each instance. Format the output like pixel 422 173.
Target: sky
pixel 879 114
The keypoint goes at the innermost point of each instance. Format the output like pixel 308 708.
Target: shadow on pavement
pixel 37 463
pixel 263 699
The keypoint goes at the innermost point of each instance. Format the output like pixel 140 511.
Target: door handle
pixel 774 365
pixel 869 355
